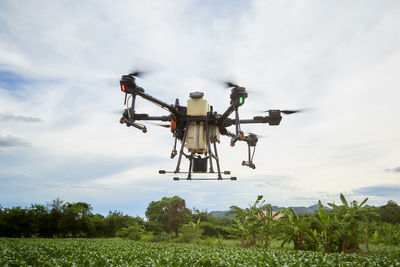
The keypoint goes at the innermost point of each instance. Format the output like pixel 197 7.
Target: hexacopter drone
pixel 197 126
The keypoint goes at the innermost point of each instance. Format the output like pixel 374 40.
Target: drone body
pixel 198 127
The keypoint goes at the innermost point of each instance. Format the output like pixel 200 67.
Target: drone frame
pixel 180 122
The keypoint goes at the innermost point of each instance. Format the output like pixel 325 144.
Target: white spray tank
pixel 196 138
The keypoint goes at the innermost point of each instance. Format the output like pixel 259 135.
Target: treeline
pixel 59 219
pixel 340 228
pixel 65 219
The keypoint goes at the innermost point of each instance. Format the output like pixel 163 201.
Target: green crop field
pixel 113 252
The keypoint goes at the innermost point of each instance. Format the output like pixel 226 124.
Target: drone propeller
pixel 117 111
pixel 229 84
pixel 287 111
pixel 138 74
pixel 161 124
pixel 258 136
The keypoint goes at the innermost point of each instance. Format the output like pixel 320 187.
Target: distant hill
pixel 299 210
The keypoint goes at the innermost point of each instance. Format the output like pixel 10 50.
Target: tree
pixel 55 215
pixel 351 216
pixel 132 232
pixel 267 221
pixel 329 228
pixel 240 227
pixel 191 231
pixel 116 220
pixel 390 212
pixel 75 219
pixel 39 218
pixel 298 229
pixel 168 214
pixel 253 223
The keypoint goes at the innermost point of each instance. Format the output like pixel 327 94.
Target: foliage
pixel 253 223
pixel 329 230
pixel 212 230
pixel 390 212
pixel 342 229
pixel 384 233
pixel 168 214
pixel 350 218
pixel 58 219
pixel 298 229
pixel 109 252
pixel 132 232
pixel 190 232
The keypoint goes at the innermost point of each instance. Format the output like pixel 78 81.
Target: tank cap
pixel 196 95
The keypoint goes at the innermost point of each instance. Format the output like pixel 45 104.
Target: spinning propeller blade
pixel 258 136
pixel 287 111
pixel 229 84
pixel 161 124
pixel 138 74
pixel 290 111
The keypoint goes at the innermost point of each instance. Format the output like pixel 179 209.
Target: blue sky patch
pixel 14 83
pixel 380 190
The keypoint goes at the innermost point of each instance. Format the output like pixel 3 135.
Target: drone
pixel 198 127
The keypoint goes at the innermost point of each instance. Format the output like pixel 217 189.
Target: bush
pixel 132 232
pixel 190 232
pixel 212 230
pixel 163 237
pixel 211 242
pixel 147 237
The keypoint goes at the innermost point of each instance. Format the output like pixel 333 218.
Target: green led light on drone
pixel 241 100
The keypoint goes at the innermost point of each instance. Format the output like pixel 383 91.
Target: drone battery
pixel 199 164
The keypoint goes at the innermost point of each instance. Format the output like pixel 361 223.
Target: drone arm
pixel 130 121
pixel 156 101
pixel 146 117
pixel 228 112
pixel 249 121
pixel 271 120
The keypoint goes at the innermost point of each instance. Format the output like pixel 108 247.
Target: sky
pixel 60 65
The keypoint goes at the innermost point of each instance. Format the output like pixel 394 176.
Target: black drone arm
pixel 140 92
pixel 146 117
pixel 228 112
pixel 272 119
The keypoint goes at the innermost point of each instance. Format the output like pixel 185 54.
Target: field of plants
pixel 115 252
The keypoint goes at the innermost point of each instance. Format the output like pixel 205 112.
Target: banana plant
pixel 267 217
pixel 330 230
pixel 351 217
pixel 298 229
pixel 251 224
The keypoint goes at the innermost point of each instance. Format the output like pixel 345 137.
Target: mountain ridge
pixel 299 210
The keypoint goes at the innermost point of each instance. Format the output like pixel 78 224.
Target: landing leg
pixel 217 160
pixel 209 147
pixel 190 167
pixel 182 146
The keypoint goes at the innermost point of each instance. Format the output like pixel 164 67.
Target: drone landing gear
pixel 198 164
